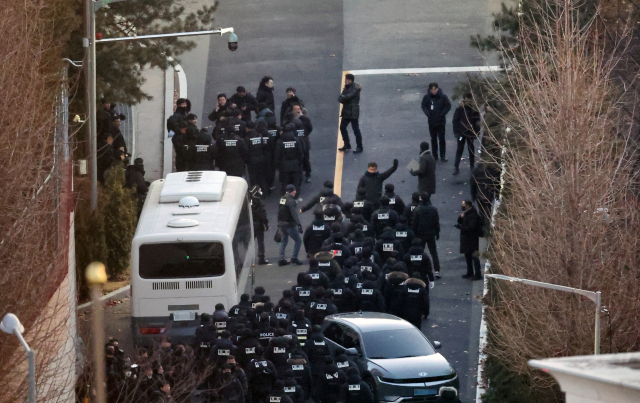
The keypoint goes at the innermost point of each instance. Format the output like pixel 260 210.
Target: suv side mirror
pixel 437 345
pixel 351 351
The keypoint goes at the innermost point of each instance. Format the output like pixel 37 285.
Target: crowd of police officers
pixel 364 255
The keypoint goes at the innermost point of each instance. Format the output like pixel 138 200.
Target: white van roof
pixel 212 216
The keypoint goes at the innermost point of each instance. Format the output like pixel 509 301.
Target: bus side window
pixel 242 237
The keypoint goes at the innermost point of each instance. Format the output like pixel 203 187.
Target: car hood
pixel 411 367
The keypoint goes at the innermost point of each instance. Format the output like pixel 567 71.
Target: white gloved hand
pixel 432 284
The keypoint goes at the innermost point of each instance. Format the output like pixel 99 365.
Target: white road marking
pixel 467 69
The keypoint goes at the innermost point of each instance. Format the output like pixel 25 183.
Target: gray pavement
pixel 308 44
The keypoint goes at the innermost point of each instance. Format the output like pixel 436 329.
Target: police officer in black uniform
pixel 232 151
pixel 288 158
pixel 257 155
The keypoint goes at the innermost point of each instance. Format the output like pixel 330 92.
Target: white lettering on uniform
pixel 278 350
pixel 236 127
pixel 358 204
pixel 342 364
pixel 354 387
pixel 289 144
pixel 273 132
pixel 324 264
pixel 337 292
pixel 415 258
pixel 318 343
pixel 329 218
pixel 202 148
pixel 366 268
pixel 305 293
pixel 221 324
pixel 224 352
pixel 265 335
pixel 256 140
pixel 401 234
pixel 413 290
pixel 274 399
pixel 300 133
pixel 289 389
pixel 321 306
pixel 322 199
pixel 387 247
pixel 320 228
pixel 301 331
pixel 413 207
pixel 283 201
pixel 392 200
pixel 281 315
pixel 337 252
pixel 359 285
pixel 364 228
pixel 297 367
pixel 230 143
pixel 358 249
pixel 314 276
pixel 382 216
pixel 367 291
pixel 251 350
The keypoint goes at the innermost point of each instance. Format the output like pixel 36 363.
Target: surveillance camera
pixel 233 42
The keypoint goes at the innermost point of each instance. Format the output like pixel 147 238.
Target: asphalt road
pixel 308 44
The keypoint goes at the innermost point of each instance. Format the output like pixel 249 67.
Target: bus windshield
pixel 181 260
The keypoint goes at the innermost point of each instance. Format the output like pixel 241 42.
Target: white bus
pixel 193 249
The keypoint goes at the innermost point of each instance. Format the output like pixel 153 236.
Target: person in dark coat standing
pixel 315 234
pixel 232 151
pixel 260 221
pixel 291 99
pixel 183 107
pixel 303 130
pixel 414 300
pixel 395 201
pixel 425 222
pixel 288 158
pixel 470 224
pixel 485 186
pixel 435 106
pixel 245 102
pixel 220 109
pixel 180 146
pixel 355 390
pixel 265 92
pixel 466 127
pixel 257 155
pixel 289 225
pixel 427 172
pixel 372 181
pixel 350 100
pixel 206 152
pixel 326 196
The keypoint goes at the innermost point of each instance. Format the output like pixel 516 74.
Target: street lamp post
pixel 595 296
pixel 96 277
pixel 89 43
pixel 11 324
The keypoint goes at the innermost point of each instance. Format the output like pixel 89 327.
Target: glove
pixel 300 229
pixel 431 284
pixel 395 162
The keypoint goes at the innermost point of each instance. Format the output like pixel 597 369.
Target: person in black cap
pixel 426 173
pixel 289 225
pixel 315 234
pixel 395 201
pixel 350 100
pixel 326 196
pixel 288 158
pixel 183 107
pixel 245 102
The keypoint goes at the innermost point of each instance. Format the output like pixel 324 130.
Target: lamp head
pixel 96 273
pixel 11 323
pixel 233 42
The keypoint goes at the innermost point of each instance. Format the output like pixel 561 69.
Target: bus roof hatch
pixel 204 185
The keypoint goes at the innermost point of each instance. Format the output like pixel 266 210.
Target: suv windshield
pixel 396 344
pixel 181 260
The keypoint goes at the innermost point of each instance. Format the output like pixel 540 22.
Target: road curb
pixel 114 295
